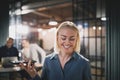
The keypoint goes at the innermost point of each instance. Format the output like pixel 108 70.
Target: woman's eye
pixel 72 39
pixel 63 38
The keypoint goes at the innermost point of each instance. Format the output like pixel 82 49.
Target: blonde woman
pixel 65 63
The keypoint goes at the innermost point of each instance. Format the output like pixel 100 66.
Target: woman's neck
pixel 64 55
pixel 64 58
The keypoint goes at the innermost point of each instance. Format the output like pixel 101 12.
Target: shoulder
pixel 81 58
pixel 2 47
pixel 32 45
pixel 35 46
pixel 51 56
pixel 84 58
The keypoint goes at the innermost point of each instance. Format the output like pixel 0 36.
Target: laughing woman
pixel 65 63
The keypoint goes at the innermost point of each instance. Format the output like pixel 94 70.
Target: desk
pixel 5 73
pixel 11 69
pixel 15 70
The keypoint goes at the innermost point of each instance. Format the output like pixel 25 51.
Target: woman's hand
pixel 30 68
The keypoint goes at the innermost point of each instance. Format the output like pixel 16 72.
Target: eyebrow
pixel 66 36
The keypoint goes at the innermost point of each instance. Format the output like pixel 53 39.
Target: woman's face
pixel 67 40
pixel 25 44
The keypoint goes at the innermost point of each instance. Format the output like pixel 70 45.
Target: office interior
pixel 97 20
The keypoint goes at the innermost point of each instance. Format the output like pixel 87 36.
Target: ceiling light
pixel 20 12
pixel 103 18
pixel 53 22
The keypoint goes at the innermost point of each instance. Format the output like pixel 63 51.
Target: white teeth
pixel 66 46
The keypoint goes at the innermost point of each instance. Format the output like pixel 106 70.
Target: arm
pixel 30 69
pixel 33 73
pixel 41 52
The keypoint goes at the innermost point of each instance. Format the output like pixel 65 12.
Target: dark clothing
pixel 8 52
pixel 77 68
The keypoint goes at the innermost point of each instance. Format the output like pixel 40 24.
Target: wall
pixel 113 41
pixel 47 35
pixel 4 21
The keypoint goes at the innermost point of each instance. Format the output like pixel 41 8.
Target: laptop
pixel 6 61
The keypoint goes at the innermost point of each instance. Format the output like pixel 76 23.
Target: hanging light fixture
pixel 52 21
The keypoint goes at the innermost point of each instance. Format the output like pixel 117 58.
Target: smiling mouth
pixel 66 47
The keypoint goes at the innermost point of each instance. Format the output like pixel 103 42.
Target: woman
pixel 32 51
pixel 65 63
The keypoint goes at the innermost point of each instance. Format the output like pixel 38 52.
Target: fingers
pixel 22 65
pixel 29 65
pixel 29 68
pixel 25 65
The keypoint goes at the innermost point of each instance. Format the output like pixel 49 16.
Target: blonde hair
pixel 71 25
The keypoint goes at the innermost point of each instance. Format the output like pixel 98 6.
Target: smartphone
pixel 25 62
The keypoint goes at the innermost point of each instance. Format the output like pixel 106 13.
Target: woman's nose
pixel 67 41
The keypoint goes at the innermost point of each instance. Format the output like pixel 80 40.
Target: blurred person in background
pixel 32 51
pixel 65 63
pixel 8 50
